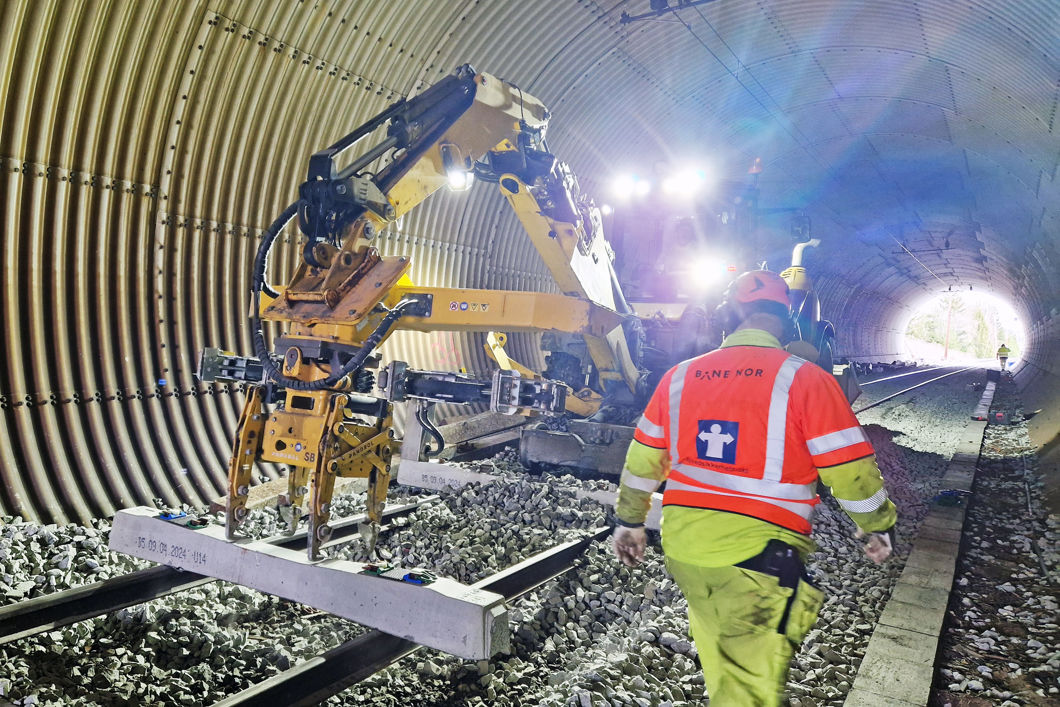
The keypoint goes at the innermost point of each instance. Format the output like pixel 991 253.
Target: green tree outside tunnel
pixel 983 340
pixel 976 326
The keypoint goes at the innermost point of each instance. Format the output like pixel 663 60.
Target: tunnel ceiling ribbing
pixel 145 147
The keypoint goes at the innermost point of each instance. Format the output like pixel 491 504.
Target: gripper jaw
pixel 320 436
pixel 319 533
pixel 241 466
pixel 323 479
pixel 290 505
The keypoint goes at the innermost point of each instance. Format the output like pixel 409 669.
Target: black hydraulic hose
pixel 424 418
pixel 261 259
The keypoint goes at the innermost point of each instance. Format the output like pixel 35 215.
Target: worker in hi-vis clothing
pixel 1002 355
pixel 740 435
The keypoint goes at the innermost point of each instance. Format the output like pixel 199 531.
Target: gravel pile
pixel 1001 643
pixel 600 635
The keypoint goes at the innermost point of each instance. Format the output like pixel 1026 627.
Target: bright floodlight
pixel 626 186
pixel 459 180
pixel 623 186
pixel 707 271
pixel 606 209
pixel 458 172
pixel 685 183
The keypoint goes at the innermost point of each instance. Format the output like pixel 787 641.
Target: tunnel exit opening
pixel 964 327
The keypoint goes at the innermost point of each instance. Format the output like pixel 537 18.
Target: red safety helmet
pixel 756 286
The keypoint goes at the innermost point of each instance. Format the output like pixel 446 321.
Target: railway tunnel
pixel 147 146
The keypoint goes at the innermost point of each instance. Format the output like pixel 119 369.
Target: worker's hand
pixel 629 545
pixel 878 546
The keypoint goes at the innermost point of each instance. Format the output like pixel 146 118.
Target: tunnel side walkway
pixel 899 661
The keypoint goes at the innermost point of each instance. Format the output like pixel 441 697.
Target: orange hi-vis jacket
pixel 746 428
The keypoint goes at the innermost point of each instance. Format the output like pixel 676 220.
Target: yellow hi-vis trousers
pixel 734 614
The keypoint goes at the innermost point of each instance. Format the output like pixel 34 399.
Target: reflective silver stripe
pixel 867 505
pixel 744 485
pixel 677 385
pixel 804 510
pixel 776 428
pixel 836 440
pixel 650 428
pixel 638 483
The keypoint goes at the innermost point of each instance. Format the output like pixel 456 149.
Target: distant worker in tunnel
pixel 740 436
pixel 1002 355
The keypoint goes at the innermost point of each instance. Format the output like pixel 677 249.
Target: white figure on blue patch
pixel 716 441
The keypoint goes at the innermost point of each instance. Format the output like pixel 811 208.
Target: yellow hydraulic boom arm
pixel 345 297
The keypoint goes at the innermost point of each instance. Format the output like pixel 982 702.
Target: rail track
pixel 52 611
pixel 313 680
pixel 914 372
pixel 910 388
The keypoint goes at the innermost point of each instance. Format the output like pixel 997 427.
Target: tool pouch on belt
pixel 782 561
pixel 802 611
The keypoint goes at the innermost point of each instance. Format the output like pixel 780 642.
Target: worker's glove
pixel 878 546
pixel 629 545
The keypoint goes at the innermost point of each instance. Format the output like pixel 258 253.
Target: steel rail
pixel 901 375
pixel 52 611
pixel 914 387
pixel 312 682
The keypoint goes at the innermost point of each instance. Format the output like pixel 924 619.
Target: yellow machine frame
pixel 346 297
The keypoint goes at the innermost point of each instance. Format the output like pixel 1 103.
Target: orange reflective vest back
pixel 746 428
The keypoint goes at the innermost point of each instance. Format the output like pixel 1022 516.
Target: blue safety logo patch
pixel 716 441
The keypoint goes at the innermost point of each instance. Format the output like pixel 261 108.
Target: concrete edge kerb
pixel 898 666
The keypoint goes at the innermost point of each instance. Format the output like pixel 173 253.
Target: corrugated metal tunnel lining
pixel 145 146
